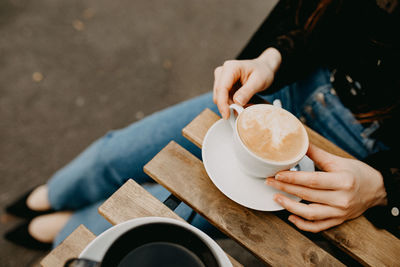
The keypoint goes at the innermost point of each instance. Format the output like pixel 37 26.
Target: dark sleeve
pixel 387 162
pixel 284 30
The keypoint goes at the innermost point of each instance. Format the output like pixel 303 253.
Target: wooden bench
pixel 270 238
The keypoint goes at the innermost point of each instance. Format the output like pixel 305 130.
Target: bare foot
pixel 38 200
pixel 46 227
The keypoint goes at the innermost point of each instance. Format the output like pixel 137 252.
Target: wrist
pixel 381 195
pixel 272 58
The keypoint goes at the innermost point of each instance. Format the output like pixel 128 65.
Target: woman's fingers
pixel 217 76
pixel 255 76
pixel 314 226
pixel 310 212
pixel 314 195
pixel 248 90
pixel 319 180
pixel 230 73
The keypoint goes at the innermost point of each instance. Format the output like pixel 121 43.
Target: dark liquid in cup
pixel 161 254
pixel 159 244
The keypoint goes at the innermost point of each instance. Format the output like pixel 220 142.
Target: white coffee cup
pixel 252 164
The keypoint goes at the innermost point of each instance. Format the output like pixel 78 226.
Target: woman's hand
pixel 342 191
pixel 253 76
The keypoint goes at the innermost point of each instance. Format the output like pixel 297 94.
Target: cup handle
pixel 232 117
pixel 277 103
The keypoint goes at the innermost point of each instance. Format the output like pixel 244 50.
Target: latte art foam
pixel 271 133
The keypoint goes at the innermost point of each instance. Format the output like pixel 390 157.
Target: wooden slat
pixel 200 125
pixel 264 234
pixel 364 242
pixel 359 238
pixel 71 247
pixel 133 201
pixel 320 141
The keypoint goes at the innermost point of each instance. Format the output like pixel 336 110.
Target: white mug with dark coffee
pixel 152 242
pixel 267 139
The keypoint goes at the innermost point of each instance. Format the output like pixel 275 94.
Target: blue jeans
pixel 103 167
pixel 109 162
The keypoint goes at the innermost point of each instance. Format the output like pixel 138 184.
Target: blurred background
pixel 72 70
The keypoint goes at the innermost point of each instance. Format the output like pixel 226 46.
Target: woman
pixel 354 102
pixel 331 63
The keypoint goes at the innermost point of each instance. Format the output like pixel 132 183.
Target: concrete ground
pixel 72 70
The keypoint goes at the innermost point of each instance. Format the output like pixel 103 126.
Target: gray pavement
pixel 72 70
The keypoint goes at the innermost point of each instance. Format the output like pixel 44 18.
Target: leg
pixel 45 228
pixel 121 154
pixel 87 216
pixel 38 200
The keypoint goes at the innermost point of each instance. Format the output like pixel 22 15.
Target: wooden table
pixel 272 239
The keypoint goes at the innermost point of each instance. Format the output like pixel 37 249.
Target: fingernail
pixel 277 199
pixel 278 176
pixel 269 181
pixel 239 100
pixel 291 219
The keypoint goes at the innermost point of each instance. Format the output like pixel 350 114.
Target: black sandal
pixel 20 209
pixel 20 236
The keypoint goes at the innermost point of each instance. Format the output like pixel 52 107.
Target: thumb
pixel 247 91
pixel 323 159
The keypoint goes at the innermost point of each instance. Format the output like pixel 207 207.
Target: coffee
pixel 271 133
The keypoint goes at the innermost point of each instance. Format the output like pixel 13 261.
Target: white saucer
pixel 221 166
pixel 98 247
